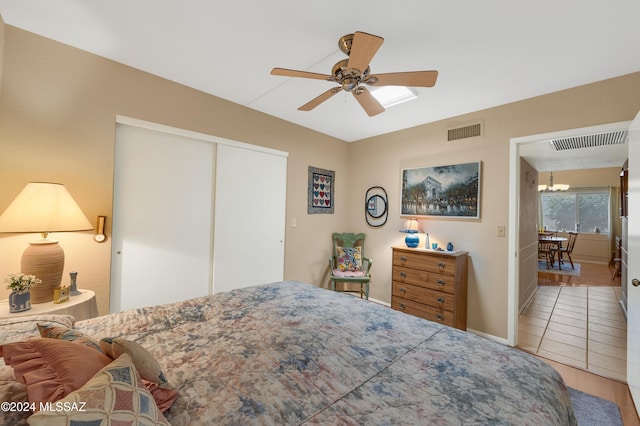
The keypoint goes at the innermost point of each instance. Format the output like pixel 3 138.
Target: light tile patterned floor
pixel 578 326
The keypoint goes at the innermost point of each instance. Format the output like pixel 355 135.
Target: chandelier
pixel 552 187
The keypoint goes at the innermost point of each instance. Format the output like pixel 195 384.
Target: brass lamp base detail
pixel 45 260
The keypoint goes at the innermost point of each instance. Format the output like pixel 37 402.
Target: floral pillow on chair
pixel 349 259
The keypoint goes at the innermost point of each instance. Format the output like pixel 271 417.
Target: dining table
pixel 557 241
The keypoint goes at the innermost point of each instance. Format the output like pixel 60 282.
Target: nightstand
pixel 81 306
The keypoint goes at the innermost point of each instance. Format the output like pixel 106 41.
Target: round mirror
pixel 376 206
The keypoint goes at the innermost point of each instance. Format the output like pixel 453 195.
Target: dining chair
pixel 546 252
pixel 571 241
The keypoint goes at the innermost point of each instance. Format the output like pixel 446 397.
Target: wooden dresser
pixel 431 284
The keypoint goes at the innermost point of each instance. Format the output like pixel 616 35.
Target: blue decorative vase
pixel 19 302
pixel 449 246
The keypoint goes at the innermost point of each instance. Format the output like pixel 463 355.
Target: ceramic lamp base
pixel 45 260
pixel 412 240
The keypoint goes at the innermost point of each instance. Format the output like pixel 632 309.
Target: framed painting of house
pixel 442 191
pixel 320 184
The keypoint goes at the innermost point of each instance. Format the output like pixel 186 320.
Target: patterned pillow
pixel 115 395
pixel 51 331
pixel 349 259
pixel 144 362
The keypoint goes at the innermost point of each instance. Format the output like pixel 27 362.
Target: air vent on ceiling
pixel 590 141
pixel 469 131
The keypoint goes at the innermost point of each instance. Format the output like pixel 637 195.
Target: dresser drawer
pixel 422 311
pixel 438 264
pixel 436 299
pixel 439 282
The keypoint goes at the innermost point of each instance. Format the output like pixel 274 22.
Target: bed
pixel 293 353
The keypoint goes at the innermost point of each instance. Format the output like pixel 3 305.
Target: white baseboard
pixel 489 336
pixel 380 302
pixel 529 299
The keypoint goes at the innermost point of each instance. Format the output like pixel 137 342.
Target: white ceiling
pixel 487 52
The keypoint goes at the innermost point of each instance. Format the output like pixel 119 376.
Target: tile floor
pixel 581 326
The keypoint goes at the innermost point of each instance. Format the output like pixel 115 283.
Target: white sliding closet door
pixel 250 206
pixel 162 218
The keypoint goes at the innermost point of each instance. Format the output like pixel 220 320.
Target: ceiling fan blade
pixel 319 99
pixel 368 102
pixel 411 79
pixel 304 74
pixel 363 48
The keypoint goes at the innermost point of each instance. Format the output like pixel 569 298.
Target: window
pixel 582 210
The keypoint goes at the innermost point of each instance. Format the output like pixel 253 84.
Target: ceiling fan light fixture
pixel 393 95
pixel 349 84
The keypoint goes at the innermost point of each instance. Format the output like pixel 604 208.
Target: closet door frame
pixel 251 233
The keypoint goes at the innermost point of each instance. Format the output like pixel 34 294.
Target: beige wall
pixel 57 123
pixel 57 114
pixel 378 161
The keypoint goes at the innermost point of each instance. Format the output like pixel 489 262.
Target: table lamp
pixel 44 208
pixel 412 228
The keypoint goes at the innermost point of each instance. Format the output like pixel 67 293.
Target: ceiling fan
pixel 352 73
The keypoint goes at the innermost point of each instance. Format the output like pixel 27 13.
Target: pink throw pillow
pixel 50 368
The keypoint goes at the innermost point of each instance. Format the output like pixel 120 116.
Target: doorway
pixel 551 297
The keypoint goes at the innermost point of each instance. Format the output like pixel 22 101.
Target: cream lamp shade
pixel 412 227
pixel 43 207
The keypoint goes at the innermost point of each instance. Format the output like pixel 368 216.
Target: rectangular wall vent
pixel 590 141
pixel 469 131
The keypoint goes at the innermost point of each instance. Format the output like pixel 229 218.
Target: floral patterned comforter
pixel 292 353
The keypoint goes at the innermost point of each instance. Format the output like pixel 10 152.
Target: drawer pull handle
pixel 402 306
pixel 441 282
pixel 440 299
pixel 440 317
pixel 403 290
pixel 403 274
pixel 403 259
pixel 441 265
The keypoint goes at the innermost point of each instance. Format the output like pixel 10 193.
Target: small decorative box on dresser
pixel 431 284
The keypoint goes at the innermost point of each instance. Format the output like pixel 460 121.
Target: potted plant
pixel 20 285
